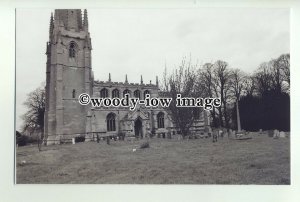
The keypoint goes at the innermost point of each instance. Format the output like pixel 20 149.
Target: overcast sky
pixel 142 41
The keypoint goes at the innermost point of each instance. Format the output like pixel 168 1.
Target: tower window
pixel 104 93
pixel 126 92
pixel 115 93
pixel 72 49
pixel 160 120
pixel 111 122
pixel 73 93
pixel 137 94
pixel 145 93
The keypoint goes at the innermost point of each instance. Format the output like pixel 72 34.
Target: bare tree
pixel 250 85
pixel 34 117
pixel 221 77
pixel 273 75
pixel 264 78
pixel 205 83
pixel 283 66
pixel 182 81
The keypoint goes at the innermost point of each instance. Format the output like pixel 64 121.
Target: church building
pixel 69 73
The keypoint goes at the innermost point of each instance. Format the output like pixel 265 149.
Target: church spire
pixel 109 78
pixel 157 81
pixel 85 21
pixel 142 80
pixel 126 80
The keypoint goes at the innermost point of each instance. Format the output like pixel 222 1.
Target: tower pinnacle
pixel 51 27
pixel 85 21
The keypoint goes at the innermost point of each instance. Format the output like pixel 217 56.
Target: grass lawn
pixel 260 160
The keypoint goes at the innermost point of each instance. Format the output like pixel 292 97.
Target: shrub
pixel 18 134
pixel 145 145
pixel 22 140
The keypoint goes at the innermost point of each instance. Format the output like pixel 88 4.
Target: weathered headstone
pixel 276 134
pixel 282 134
pixel 260 131
pixel 270 133
pixel 57 139
pixel 73 140
pixel 169 136
pixel 215 135
pixel 225 134
pixel 229 133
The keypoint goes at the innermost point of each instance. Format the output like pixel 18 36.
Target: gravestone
pixel 57 139
pixel 169 136
pixel 270 133
pixel 215 135
pixel 225 134
pixel 276 134
pixel 229 133
pixel 260 131
pixel 282 134
pixel 73 140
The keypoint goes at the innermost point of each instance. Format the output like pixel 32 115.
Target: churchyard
pixel 259 160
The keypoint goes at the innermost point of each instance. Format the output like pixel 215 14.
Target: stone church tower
pixel 68 74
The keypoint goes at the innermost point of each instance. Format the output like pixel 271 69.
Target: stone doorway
pixel 138 128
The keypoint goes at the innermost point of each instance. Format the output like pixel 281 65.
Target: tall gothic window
pixel 145 93
pixel 160 120
pixel 115 93
pixel 111 122
pixel 72 49
pixel 137 94
pixel 73 93
pixel 126 92
pixel 104 93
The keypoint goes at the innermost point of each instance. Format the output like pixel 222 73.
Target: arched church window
pixel 111 122
pixel 104 93
pixel 160 120
pixel 73 93
pixel 145 93
pixel 126 92
pixel 115 93
pixel 137 94
pixel 72 49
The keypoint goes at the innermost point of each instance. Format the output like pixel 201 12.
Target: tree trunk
pixel 238 117
pixel 39 143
